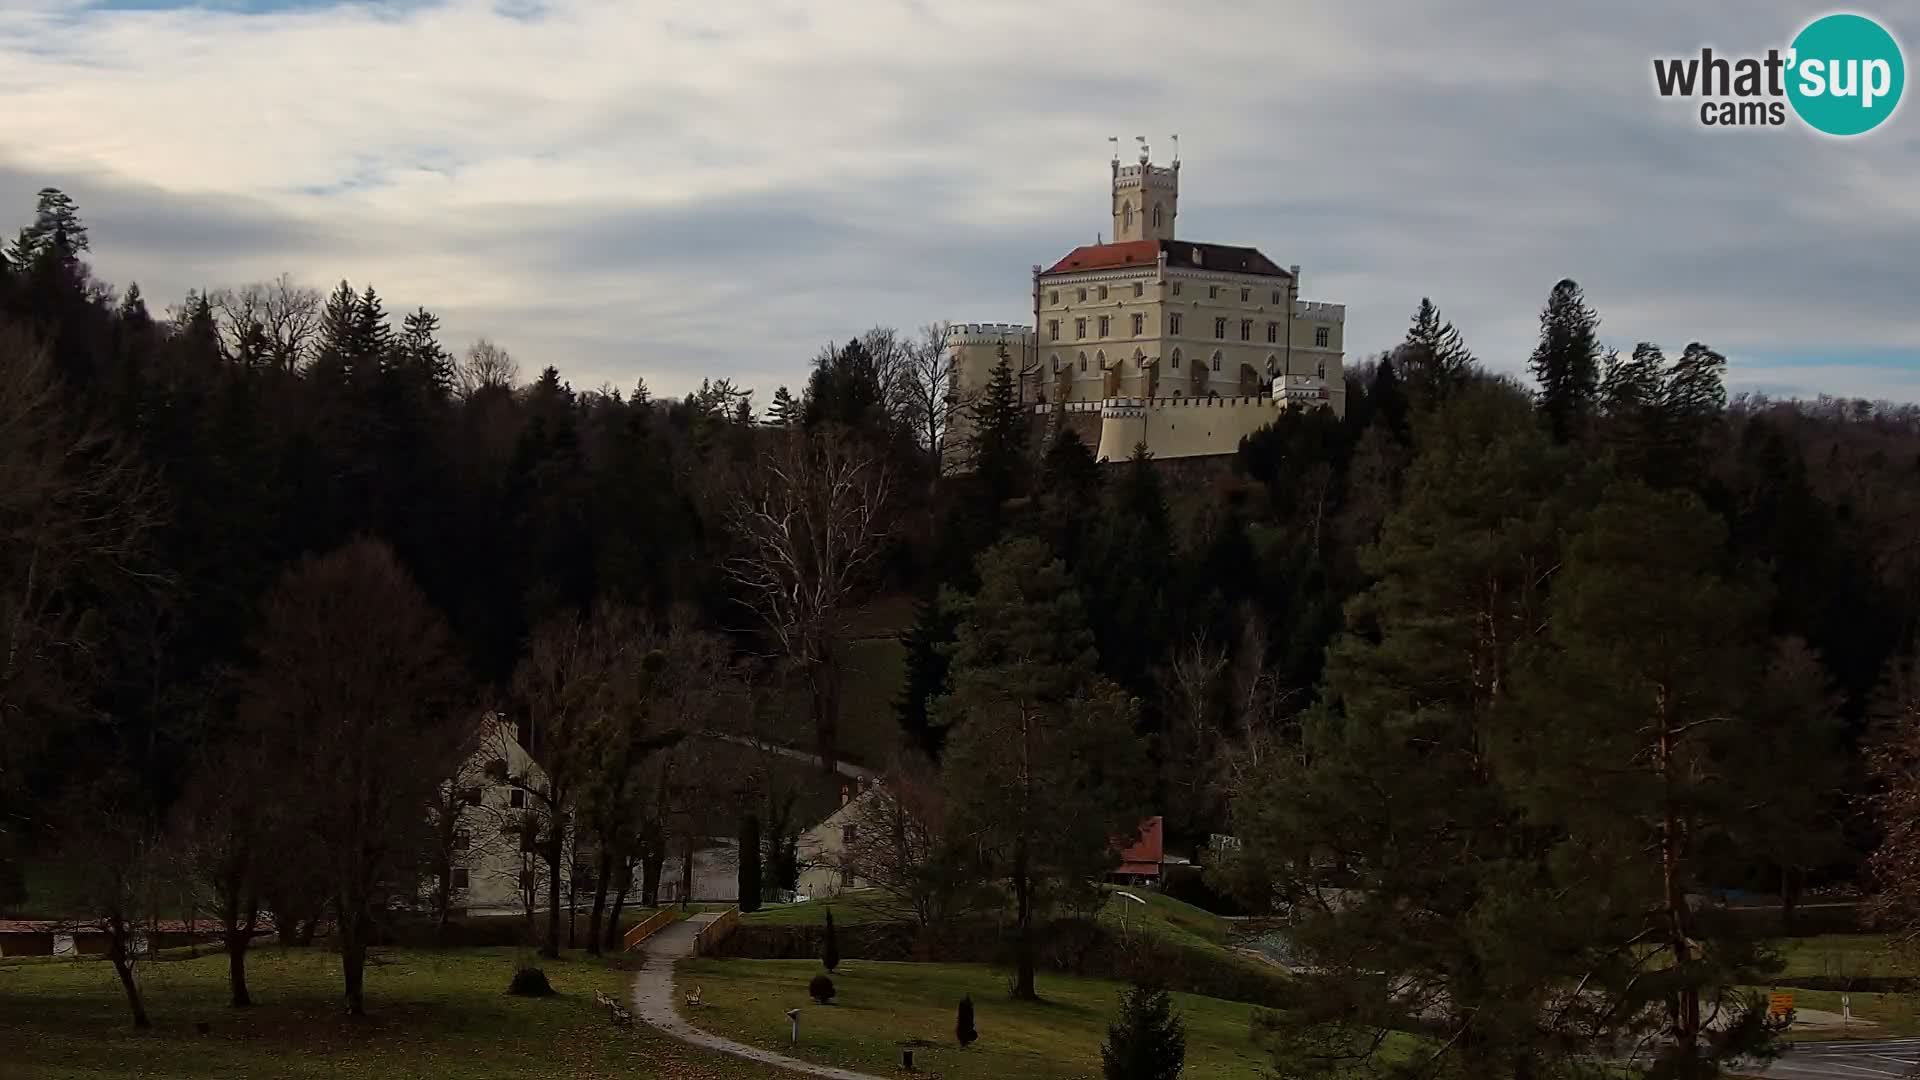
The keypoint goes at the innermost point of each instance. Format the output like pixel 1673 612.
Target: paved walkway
pixel 654 1002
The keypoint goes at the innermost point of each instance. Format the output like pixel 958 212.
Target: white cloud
pixel 679 189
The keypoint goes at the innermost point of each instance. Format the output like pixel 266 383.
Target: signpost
pixel 1780 1004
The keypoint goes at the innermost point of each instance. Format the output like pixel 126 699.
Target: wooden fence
pixel 712 934
pixel 646 928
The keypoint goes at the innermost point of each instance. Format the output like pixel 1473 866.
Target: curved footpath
pixel 653 1002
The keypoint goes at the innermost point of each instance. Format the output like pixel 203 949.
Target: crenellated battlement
pixel 987 333
pixel 1159 176
pixel 1314 309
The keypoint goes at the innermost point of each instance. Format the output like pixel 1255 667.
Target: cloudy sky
pixel 679 189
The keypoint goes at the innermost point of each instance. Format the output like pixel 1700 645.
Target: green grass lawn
pixel 1843 955
pixel 881 1006
pixel 853 908
pixel 431 1014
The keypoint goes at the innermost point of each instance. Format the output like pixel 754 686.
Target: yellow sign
pixel 1779 1004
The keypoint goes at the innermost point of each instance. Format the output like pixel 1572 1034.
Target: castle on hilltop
pixel 1184 346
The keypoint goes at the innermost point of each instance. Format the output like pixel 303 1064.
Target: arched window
pixel 1320 370
pixel 1156 215
pixel 1056 363
pixel 1126 215
pixel 1216 361
pixel 1100 360
pixel 1083 361
pixel 1273 365
pixel 1176 359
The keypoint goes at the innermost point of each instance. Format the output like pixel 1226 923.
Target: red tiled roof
pixel 1185 253
pixel 1143 856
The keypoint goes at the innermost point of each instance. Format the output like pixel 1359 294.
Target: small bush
pixel 963 1029
pixel 1147 1041
pixel 821 989
pixel 530 982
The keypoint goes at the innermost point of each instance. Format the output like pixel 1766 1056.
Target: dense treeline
pixel 1391 652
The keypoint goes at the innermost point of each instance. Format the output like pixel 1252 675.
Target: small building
pixel 825 869
pixel 1143 860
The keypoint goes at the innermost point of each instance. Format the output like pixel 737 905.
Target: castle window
pixel 1139 323
pixel 1080 328
pixel 1083 294
pixel 1220 328
pixel 1106 325
pixel 1103 292
pixel 1173 323
pixel 1273 333
pixel 1320 370
pixel 1053 296
pixel 1053 329
pixel 1176 360
pixel 1139 290
pixel 1156 215
pixel 1100 360
pixel 1245 295
pixel 1246 329
pixel 1083 361
pixel 1321 335
pixel 459 877
pixel 1056 364
pixel 1216 361
pixel 1126 215
pixel 1176 288
pixel 1276 296
pixel 1213 292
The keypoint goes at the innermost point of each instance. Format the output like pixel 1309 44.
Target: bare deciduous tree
pixel 283 313
pixel 900 845
pixel 809 521
pixel 487 366
pixel 118 862
pixel 931 399
pixel 353 658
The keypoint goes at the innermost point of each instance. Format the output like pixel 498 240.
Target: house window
pixel 1139 290
pixel 460 841
pixel 1053 329
pixel 847 833
pixel 1276 296
pixel 1213 292
pixel 846 877
pixel 1321 334
pixel 1246 329
pixel 1216 361
pixel 1139 324
pixel 471 796
pixel 1176 288
pixel 1273 333
pixel 1220 328
pixel 1080 328
pixel 1173 323
pixel 1176 360
pixel 1083 294
pixel 1103 292
pixel 1106 325
pixel 1053 296
pixel 1245 295
pixel 1083 361
pixel 459 877
pixel 517 798
pixel 1320 370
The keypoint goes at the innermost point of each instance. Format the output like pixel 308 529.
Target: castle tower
pixel 1146 198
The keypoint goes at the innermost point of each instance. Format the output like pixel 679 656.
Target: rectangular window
pixel 1083 361
pixel 1173 323
pixel 1320 369
pixel 1220 328
pixel 1053 329
pixel 517 798
pixel 1106 325
pixel 1079 328
pixel 1216 361
pixel 847 834
pixel 1276 296
pixel 472 796
pixel 460 842
pixel 1176 288
pixel 1139 324
pixel 1321 334
pixel 459 877
pixel 1103 292
pixel 1176 359
pixel 1245 295
pixel 1053 296
pixel 846 877
pixel 1273 332
pixel 1083 294
pixel 1213 292
pixel 1246 329
pixel 1139 289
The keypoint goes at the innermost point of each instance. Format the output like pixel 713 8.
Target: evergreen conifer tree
pixel 785 411
pixel 830 949
pixel 1000 437
pixel 963 1030
pixel 1566 363
pixel 749 868
pixel 1148 1041
pixel 1433 359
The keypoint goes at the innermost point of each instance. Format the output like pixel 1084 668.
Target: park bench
pixel 694 998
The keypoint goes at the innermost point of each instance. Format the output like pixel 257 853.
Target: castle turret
pixel 1146 199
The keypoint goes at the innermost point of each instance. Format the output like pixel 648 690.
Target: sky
pixel 680 190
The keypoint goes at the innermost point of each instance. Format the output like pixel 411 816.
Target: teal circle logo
pixel 1845 74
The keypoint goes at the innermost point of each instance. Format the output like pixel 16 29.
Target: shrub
pixel 821 989
pixel 830 952
pixel 963 1029
pixel 1147 1041
pixel 530 982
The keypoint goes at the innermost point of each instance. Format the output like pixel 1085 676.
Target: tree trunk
pixel 551 950
pixel 237 970
pixel 1686 999
pixel 823 679
pixel 619 902
pixel 686 874
pixel 353 961
pixel 651 865
pixel 443 894
pixel 603 870
pixel 123 967
pixel 1023 946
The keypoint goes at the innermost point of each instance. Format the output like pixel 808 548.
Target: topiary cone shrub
pixel 821 989
pixel 830 952
pixel 530 982
pixel 963 1026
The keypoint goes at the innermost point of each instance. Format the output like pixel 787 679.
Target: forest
pixel 1485 682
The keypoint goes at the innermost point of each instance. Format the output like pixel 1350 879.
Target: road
pixel 841 767
pixel 1883 1059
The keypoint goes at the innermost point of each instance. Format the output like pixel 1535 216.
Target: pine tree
pixel 927 645
pixel 785 411
pixel 1000 437
pixel 422 354
pixel 1069 494
pixel 1658 414
pixel 963 1029
pixel 830 949
pixel 1387 398
pixel 641 395
pixel 56 230
pixel 333 361
pixel 1148 1041
pixel 372 341
pixel 1566 363
pixel 133 309
pixel 1041 764
pixel 1434 360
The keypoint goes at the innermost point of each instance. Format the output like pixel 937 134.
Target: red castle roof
pixel 1182 253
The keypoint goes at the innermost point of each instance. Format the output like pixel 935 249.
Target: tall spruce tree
pixel 785 411
pixel 1433 359
pixel 1148 1041
pixel 1000 438
pixel 1041 765
pixel 1566 362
